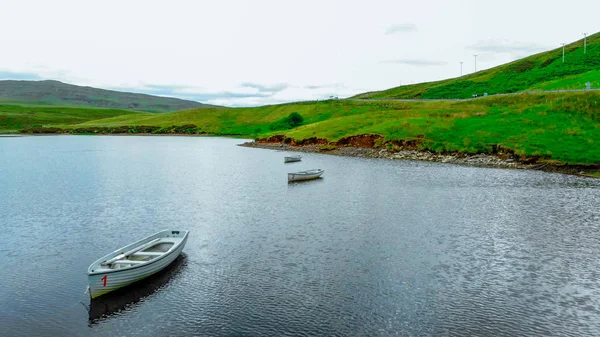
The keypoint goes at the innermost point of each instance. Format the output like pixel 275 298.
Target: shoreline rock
pixel 503 160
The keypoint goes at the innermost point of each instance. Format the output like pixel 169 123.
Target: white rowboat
pixel 291 159
pixel 116 301
pixel 305 175
pixel 135 261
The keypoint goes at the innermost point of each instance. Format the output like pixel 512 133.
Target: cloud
pixel 169 88
pixel 243 94
pixel 265 88
pixel 9 75
pixel 190 93
pixel 506 46
pixel 245 101
pixel 401 28
pixel 325 86
pixel 290 94
pixel 417 62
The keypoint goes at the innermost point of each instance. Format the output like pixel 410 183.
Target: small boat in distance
pixel 305 175
pixel 291 159
pixel 135 262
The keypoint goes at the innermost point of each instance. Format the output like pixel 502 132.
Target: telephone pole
pixel 475 62
pixel 461 62
pixel 584 43
pixel 563 44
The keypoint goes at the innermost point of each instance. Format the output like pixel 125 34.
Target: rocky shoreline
pixel 480 160
pixel 372 146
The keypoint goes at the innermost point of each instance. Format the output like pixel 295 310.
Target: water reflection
pixel 311 181
pixel 113 303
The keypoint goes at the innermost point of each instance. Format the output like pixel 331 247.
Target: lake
pixel 375 248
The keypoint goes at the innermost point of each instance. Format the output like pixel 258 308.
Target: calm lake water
pixel 375 248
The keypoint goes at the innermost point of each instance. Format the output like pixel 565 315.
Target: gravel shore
pixel 480 160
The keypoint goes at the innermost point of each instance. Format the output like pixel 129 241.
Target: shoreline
pixel 364 147
pixel 476 160
pixel 144 134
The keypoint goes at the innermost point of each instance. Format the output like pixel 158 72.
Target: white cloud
pixel 289 94
pixel 506 46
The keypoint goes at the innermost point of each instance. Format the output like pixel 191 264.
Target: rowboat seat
pixel 148 254
pixel 128 262
pixel 125 255
pixel 161 247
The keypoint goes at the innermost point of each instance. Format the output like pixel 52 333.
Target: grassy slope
pixel 63 94
pixel 16 117
pixel 544 71
pixel 559 126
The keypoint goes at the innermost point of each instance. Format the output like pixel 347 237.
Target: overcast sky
pixel 242 53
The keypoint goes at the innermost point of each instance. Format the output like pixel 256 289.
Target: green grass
pixel 573 82
pixel 559 127
pixel 17 117
pixel 555 126
pixel 544 71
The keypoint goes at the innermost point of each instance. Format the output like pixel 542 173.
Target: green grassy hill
pixel 556 126
pixel 16 117
pixel 544 71
pixel 559 127
pixel 62 94
pixel 564 127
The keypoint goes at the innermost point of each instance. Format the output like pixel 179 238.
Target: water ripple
pixel 375 248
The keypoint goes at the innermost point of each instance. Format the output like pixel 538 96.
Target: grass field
pixel 544 71
pixel 17 117
pixel 563 127
pixel 558 126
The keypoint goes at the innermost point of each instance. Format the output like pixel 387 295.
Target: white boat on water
pixel 116 301
pixel 305 175
pixel 291 159
pixel 134 262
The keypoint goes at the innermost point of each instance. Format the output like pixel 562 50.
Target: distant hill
pixel 543 71
pixel 63 94
pixel 16 117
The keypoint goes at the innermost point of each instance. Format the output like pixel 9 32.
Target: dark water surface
pixel 375 248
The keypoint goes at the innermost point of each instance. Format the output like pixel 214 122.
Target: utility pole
pixel 461 62
pixel 584 43
pixel 563 44
pixel 475 62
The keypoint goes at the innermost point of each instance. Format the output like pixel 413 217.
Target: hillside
pixel 62 94
pixel 544 71
pixel 16 117
pixel 553 127
pixel 564 127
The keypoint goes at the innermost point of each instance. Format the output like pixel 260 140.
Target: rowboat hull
pixel 104 281
pixel 292 159
pixel 305 175
pixel 115 301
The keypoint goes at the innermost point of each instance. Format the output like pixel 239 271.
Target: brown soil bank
pixel 188 129
pixel 374 146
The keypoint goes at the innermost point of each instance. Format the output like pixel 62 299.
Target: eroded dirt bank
pixel 374 146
